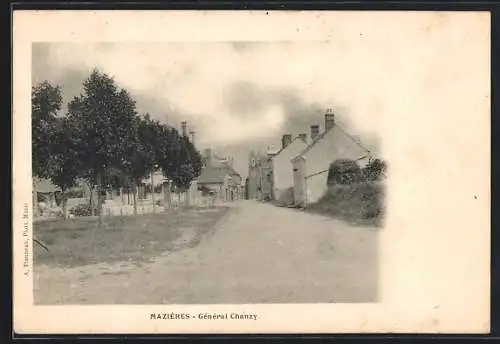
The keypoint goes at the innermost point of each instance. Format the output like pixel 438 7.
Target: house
pixel 282 173
pixel 259 181
pixel 310 167
pixel 222 180
pixel 47 192
pixel 44 191
pixel 218 176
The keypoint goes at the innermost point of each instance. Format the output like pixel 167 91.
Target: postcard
pixel 251 172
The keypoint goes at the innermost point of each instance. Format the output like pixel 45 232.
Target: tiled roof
pixel 214 175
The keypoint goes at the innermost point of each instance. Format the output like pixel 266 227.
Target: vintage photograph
pixel 223 172
pixel 190 175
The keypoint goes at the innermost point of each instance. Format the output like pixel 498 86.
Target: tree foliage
pixel 46 101
pixel 102 140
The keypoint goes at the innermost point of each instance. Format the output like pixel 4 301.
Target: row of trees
pixel 103 141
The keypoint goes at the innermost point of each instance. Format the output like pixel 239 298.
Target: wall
pixel 266 170
pixel 299 187
pixel 253 183
pixel 283 169
pixel 316 187
pixel 334 145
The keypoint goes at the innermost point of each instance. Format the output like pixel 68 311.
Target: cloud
pixel 231 92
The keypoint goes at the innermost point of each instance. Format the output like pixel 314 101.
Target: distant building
pixel 310 167
pixel 219 177
pixel 260 178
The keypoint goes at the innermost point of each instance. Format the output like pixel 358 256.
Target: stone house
pixel 310 167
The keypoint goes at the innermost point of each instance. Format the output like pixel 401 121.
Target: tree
pixel 63 169
pixel 184 163
pixel 140 156
pixel 104 122
pixel 46 101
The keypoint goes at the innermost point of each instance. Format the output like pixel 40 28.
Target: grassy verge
pixel 136 239
pixel 360 203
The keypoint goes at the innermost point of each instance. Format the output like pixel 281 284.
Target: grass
pixel 135 239
pixel 359 204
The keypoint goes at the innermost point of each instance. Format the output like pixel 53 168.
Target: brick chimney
pixel 314 131
pixel 329 119
pixel 286 140
pixel 192 133
pixel 184 128
pixel 303 137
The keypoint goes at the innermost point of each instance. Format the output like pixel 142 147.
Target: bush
pixel 344 172
pixel 81 210
pixel 375 170
pixel 357 201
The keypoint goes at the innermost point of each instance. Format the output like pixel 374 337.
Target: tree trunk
pixel 134 195
pixel 91 198
pixel 186 200
pixel 153 191
pixel 63 203
pixel 99 200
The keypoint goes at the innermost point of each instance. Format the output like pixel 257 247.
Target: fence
pixel 122 205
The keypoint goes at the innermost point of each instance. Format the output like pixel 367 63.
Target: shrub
pixel 344 172
pixel 356 201
pixel 375 170
pixel 81 210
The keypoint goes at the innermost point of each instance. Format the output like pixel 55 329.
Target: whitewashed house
pixel 310 167
pixel 282 173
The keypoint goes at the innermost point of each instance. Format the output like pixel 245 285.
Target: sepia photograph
pixel 252 172
pixel 207 183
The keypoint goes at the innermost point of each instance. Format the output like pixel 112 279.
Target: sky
pixel 236 96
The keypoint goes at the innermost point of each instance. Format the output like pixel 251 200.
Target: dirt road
pixel 257 254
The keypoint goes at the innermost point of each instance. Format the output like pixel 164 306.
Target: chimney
pixel 329 119
pixel 303 137
pixel 191 133
pixel 314 131
pixel 184 128
pixel 286 140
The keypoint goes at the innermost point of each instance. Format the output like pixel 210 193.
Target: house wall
pixel 334 145
pixel 282 167
pixel 253 183
pixel 316 187
pixel 299 187
pixel 266 170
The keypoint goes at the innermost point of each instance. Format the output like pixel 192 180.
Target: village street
pixel 258 253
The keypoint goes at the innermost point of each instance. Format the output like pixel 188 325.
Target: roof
pixel 43 185
pixel 282 149
pixel 322 135
pixel 215 175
